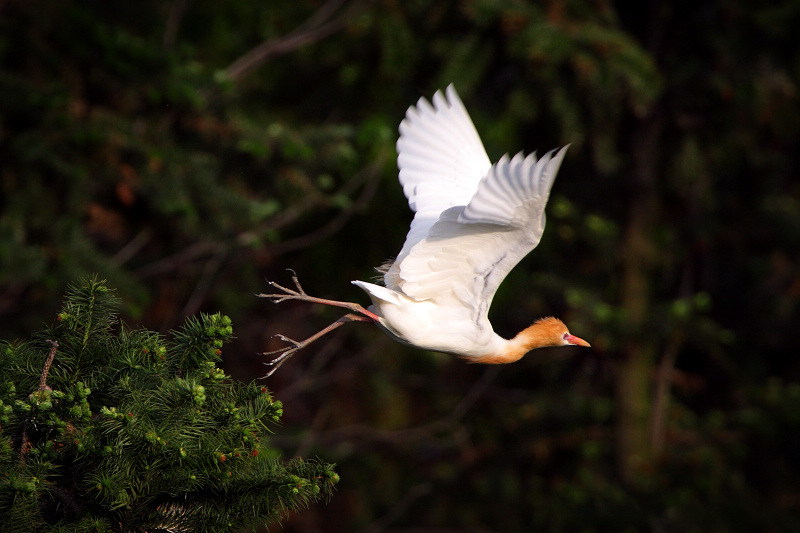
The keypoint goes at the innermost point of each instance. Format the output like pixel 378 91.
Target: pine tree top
pixel 104 428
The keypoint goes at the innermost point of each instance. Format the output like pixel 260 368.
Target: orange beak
pixel 577 341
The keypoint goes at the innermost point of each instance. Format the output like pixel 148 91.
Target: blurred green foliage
pixel 152 144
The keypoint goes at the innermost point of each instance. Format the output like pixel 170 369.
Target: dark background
pixel 188 150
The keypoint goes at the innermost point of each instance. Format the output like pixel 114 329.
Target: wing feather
pixel 441 160
pixel 470 249
pixel 510 185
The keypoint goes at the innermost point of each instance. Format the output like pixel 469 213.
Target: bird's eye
pixel 566 335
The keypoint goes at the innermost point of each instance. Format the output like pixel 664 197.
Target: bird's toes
pixel 284 338
pixel 294 345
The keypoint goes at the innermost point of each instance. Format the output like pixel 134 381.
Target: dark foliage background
pixel 187 150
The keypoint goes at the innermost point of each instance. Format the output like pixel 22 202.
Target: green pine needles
pixel 103 428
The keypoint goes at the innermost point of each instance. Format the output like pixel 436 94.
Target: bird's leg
pixel 295 346
pixel 300 294
pixel 359 314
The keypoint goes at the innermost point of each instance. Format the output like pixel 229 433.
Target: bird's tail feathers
pixel 376 291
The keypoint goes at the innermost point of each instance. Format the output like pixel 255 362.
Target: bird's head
pixel 544 333
pixel 551 331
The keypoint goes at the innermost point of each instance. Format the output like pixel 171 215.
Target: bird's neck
pixel 540 334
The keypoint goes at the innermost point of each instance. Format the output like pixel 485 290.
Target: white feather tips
pixel 514 190
pixel 439 144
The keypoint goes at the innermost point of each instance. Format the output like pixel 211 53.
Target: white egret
pixel 474 222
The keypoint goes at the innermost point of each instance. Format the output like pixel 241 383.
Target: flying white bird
pixel 474 222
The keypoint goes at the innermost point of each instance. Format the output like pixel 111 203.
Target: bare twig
pixel 25 441
pixel 132 247
pixel 664 372
pixel 174 18
pixel 316 425
pixel 661 397
pixel 368 177
pixel 398 509
pixel 474 393
pixel 178 259
pixel 448 422
pixel 204 284
pixel 317 27
pixel 312 379
pixel 336 223
pixel 47 364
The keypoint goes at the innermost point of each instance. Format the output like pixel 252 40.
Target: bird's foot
pixel 358 314
pixel 295 346
pixel 299 294
pixel 285 353
pixel 288 294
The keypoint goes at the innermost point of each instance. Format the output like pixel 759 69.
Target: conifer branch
pixel 25 441
pixel 47 363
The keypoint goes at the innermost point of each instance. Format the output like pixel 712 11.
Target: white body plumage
pixel 474 222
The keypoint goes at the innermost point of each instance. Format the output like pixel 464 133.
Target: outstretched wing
pixel 471 248
pixel 441 160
